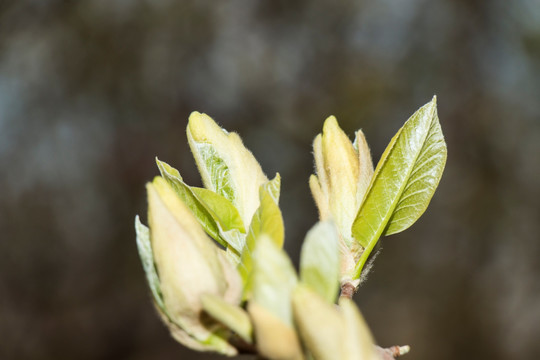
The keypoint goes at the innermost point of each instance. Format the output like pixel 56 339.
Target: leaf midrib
pixel 383 224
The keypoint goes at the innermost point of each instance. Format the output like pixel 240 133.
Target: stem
pixel 347 290
pixel 392 352
pixel 365 254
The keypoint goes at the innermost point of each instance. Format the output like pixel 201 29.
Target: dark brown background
pixel 91 91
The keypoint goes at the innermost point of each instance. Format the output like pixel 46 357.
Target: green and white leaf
pixel 404 181
pixel 221 209
pixel 217 215
pixel 147 258
pixel 319 260
pixel 273 188
pixel 226 166
pixel 217 175
pixel 234 317
pixel 267 220
pixel 274 279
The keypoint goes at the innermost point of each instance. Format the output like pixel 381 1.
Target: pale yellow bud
pixel 358 342
pixel 344 172
pixel 341 166
pixel 275 340
pixel 187 261
pixel 365 166
pixel 226 166
pixel 330 332
pixel 319 324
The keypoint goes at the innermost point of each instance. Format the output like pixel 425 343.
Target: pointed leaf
pixel 147 258
pixel 404 181
pixel 216 217
pixel 214 340
pixel 365 165
pixel 274 279
pixel 187 261
pixel 226 166
pixel 319 260
pixel 234 317
pixel 342 169
pixel 266 220
pixel 222 210
pixel 273 188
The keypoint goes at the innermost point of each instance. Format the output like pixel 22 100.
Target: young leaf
pixel 274 279
pixel 358 342
pixel 319 260
pixel 404 181
pixel 214 212
pixel 221 209
pixel 234 317
pixel 275 339
pixel 173 178
pixel 226 166
pixel 266 220
pixel 188 262
pixel 320 324
pixel 214 341
pixel 147 258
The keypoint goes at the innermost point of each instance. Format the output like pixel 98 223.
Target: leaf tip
pixel 202 127
pixel 330 124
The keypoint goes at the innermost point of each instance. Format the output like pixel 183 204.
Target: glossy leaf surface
pixel 404 181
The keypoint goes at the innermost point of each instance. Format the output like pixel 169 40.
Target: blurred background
pixel 92 91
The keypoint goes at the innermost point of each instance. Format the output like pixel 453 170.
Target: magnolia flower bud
pixel 189 265
pixel 226 166
pixel 344 171
pixel 275 339
pixel 330 332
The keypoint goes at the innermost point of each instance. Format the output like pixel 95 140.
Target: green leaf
pixel 226 166
pixel 147 258
pixel 274 279
pixel 234 317
pixel 222 210
pixel 319 260
pixel 216 216
pixel 219 174
pixel 404 181
pixel 266 220
pixel 273 188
